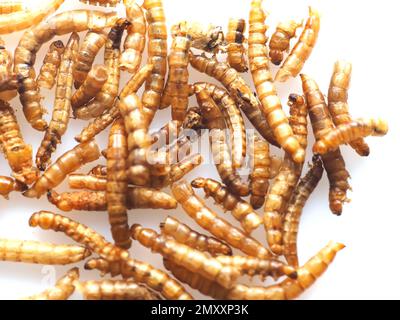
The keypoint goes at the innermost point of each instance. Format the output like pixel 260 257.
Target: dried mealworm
pixel 142 272
pixel 8 81
pixel 115 290
pixel 135 40
pixel 185 235
pixel 8 185
pixel 137 198
pixel 62 290
pixel 241 210
pixel 193 260
pixel 18 154
pixel 217 226
pixel 102 3
pixel 345 133
pixel 236 50
pixel 300 196
pixel 337 102
pixel 176 91
pixel 214 121
pixel 290 288
pixel 193 119
pixel 51 63
pixel 11 6
pixel 78 232
pixel 69 162
pixel 105 99
pixel 92 85
pixel 62 105
pixel 270 103
pixel 117 184
pixel 280 40
pixel 157 56
pixel 302 50
pixel 238 89
pixel 99 171
pixel 90 181
pixel 31 42
pixel 91 45
pixel 41 252
pixel 333 161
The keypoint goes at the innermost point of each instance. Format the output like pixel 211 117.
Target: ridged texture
pixel 51 63
pixel 8 185
pixel 236 50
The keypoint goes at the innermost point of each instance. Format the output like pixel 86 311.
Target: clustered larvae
pixel 236 50
pixel 51 63
pixel 8 80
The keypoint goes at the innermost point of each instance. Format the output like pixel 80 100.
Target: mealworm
pixel 41 252
pixel 193 119
pixel 92 85
pixel 105 99
pixel 215 122
pixel 294 63
pixel 17 152
pixel 8 185
pixel 300 196
pixel 102 3
pixel 137 198
pixel 51 63
pixel 241 210
pixel 142 272
pixel 270 103
pixel 218 227
pixel 69 162
pixel 31 42
pixel 11 6
pixel 157 56
pixel 280 40
pixel 185 235
pixel 91 45
pixel 99 171
pixel 80 233
pixel 337 102
pixel 62 290
pixel 91 181
pixel 351 131
pixel 8 80
pixel 135 41
pixel 238 89
pixel 193 260
pixel 62 105
pixel 115 290
pixel 236 50
pixel 333 161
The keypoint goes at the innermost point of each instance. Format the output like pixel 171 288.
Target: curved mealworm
pixel 51 63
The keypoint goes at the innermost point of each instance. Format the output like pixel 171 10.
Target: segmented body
pixel 11 6
pixel 236 49
pixel 51 63
pixel 8 80
pixel 8 185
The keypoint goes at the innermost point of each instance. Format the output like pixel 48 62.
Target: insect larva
pixel 233 118
pixel 105 99
pixel 99 171
pixel 260 172
pixel 115 290
pixel 218 227
pixel 32 41
pixel 62 105
pixel 135 41
pixel 290 288
pixel 333 161
pixel 176 91
pixel 300 196
pixel 17 152
pixel 185 235
pixel 69 162
pixel 215 122
pixel 193 260
pixel 337 102
pixel 270 103
pixel 91 181
pixel 62 290
pixel 41 252
pixel 236 50
pixel 8 80
pixel 276 164
pixel 193 119
pixel 241 210
pixel 345 133
pixel 92 85
pixel 8 185
pixel 78 232
pixel 102 3
pixel 157 56
pixel 7 6
pixel 294 63
pixel 238 89
pixel 91 45
pixel 280 40
pixel 51 63
pixel 298 118
pixel 21 20
pixel 142 272
pixel 137 198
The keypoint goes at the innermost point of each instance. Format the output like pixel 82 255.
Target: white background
pixel 364 33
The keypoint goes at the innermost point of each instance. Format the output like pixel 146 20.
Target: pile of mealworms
pixel 136 175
